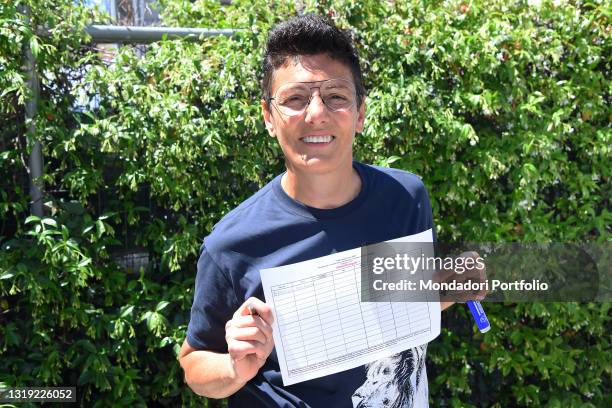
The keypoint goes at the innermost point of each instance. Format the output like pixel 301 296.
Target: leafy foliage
pixel 502 107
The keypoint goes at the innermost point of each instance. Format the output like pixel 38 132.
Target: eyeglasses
pixel 292 98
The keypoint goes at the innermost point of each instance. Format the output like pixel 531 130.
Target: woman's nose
pixel 316 109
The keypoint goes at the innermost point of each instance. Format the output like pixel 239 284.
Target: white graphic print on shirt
pixel 399 381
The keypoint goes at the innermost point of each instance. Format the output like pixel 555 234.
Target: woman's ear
pixel 361 116
pixel 267 115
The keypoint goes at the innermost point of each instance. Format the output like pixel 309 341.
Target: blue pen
pixel 479 316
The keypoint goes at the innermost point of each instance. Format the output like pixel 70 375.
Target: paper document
pixel 321 327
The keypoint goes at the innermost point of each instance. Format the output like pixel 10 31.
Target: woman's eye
pixel 338 97
pixel 295 98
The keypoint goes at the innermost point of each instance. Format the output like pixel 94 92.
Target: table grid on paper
pixel 322 321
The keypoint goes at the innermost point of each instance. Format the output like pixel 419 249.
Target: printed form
pixel 321 327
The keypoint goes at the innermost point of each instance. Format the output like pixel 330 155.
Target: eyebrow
pixel 314 82
pixel 337 86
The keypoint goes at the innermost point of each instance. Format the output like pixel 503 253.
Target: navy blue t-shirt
pixel 271 229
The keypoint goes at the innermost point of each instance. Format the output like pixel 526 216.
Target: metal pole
pixel 100 34
pixel 135 12
pixel 143 35
pixel 31 109
pixel 113 10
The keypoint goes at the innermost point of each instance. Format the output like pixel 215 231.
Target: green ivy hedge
pixel 501 106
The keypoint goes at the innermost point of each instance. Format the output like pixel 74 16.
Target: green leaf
pixel 161 305
pixel 146 316
pixel 84 262
pixel 32 218
pixel 101 228
pixel 126 311
pixel 85 377
pixel 156 323
pixel 6 275
pixel 49 221
pixel 34 46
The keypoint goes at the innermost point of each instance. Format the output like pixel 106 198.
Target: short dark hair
pixel 309 34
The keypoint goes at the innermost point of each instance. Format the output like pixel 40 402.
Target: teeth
pixel 318 139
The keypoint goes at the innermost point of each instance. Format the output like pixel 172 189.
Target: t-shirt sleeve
pixel 214 303
pixel 427 218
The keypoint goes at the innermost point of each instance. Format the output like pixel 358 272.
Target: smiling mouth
pixel 318 139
